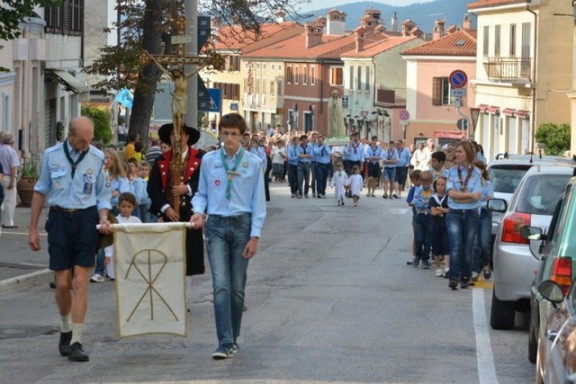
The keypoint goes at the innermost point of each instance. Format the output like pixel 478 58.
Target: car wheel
pixel 501 313
pixel 532 341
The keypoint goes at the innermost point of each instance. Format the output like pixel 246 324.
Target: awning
pixel 482 107
pixel 453 135
pixel 492 109
pixel 522 114
pixel 69 81
pixel 508 111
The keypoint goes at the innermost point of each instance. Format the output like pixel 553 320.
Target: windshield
pixel 505 180
pixel 540 194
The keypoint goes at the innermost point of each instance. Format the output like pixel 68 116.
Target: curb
pixel 44 276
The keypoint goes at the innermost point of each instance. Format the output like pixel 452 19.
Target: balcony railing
pixel 508 68
pixel 390 97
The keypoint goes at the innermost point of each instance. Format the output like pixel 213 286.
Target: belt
pixel 230 218
pixel 69 210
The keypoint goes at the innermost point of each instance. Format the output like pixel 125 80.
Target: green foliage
pixel 555 137
pixel 29 169
pixel 101 118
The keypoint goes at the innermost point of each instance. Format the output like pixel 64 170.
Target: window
pixel 288 74
pixel 497 40
pixel 351 82
pixel 526 40
pixel 65 19
pixel 513 40
pixel 312 75
pixel 367 83
pixel 305 75
pixel 359 78
pixel 279 88
pixel 485 47
pixel 272 88
pixel 273 66
pixel 264 66
pixel 441 91
pixel 336 76
pixel 279 67
pixel 296 74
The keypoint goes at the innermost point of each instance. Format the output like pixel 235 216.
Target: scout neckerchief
pixel 464 184
pixel 303 148
pixel 355 146
pixel 231 172
pixel 439 201
pixel 72 162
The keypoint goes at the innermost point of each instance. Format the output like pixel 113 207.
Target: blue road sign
pixel 458 79
pixel 215 104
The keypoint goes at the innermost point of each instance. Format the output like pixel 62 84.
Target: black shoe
pixel 64 344
pixel 486 272
pixel 453 284
pixel 77 353
pixel 465 283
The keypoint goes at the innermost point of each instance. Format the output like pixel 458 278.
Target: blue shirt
pixel 140 191
pixel 487 192
pixel 121 184
pixel 292 154
pixel 421 199
pixel 308 150
pixel 474 185
pixel 87 189
pixel 322 153
pixel 390 155
pixel 247 192
pixel 375 151
pixel 354 151
pixel 404 157
pixel 260 152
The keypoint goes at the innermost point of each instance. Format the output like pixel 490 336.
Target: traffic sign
pixel 458 78
pixel 215 104
pixel 457 92
pixel 403 123
pixel 404 115
pixel 462 124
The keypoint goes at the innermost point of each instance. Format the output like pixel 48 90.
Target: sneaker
pixel 486 272
pixel 224 352
pixel 474 276
pixel 385 196
pixel 439 272
pixel 453 284
pixel 465 283
pixel 425 265
pixel 415 262
pixel 97 278
pixel 394 196
pixel 446 273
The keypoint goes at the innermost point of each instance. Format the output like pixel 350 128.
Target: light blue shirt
pixel 88 188
pixel 487 193
pixel 309 151
pixel 292 154
pixel 121 185
pixel 374 152
pixel 354 151
pixel 474 185
pixel 390 155
pixel 404 157
pixel 322 153
pixel 247 192
pixel 260 152
pixel 140 191
pixel 421 199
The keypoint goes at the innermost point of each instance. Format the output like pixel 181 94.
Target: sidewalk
pixel 20 267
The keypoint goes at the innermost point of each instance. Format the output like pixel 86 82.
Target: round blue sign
pixel 458 79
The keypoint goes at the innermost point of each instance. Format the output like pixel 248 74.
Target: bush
pixel 101 118
pixel 554 137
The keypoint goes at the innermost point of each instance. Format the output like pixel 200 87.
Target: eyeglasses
pixel 231 134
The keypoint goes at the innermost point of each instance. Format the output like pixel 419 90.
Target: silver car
pixel 532 204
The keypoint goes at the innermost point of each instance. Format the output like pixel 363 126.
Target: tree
pixel 555 137
pixel 147 25
pixel 100 117
pixel 13 12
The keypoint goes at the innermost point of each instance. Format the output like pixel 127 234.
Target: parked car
pixel 532 204
pixel 556 360
pixel 556 247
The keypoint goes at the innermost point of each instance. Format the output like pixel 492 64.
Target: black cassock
pixel 159 191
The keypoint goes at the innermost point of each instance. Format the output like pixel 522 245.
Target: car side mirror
pixel 497 205
pixel 531 233
pixel 551 291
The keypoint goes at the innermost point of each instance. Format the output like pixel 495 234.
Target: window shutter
pixel 437 91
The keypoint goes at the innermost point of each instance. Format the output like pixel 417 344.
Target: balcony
pixel 508 68
pixel 390 97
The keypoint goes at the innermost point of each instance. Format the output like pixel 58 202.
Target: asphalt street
pixel 330 300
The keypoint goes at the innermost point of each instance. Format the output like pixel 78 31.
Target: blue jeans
pixel 303 177
pixel 483 241
pixel 226 238
pixel 462 226
pixel 422 237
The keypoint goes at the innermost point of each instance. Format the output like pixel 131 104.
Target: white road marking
pixel 484 357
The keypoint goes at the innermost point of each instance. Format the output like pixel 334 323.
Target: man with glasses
pixel 230 205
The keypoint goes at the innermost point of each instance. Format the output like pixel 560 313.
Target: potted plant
pixel 28 178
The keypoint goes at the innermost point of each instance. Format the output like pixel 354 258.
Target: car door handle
pixel 551 335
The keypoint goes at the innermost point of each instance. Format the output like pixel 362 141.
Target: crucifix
pixel 174 67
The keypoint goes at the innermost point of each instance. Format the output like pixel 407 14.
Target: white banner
pixel 150 267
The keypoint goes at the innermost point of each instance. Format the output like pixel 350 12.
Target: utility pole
pixel 191 11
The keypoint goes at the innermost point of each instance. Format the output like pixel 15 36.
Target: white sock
pixel 76 333
pixel 66 323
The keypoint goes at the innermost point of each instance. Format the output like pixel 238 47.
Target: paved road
pixel 330 299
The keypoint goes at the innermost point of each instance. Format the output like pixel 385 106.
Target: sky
pixel 320 4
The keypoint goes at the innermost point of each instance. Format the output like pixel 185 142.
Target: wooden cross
pixel 174 67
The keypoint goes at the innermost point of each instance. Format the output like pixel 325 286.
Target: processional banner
pixel 150 266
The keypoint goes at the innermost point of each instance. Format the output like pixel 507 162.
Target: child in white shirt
pixel 126 205
pixel 356 184
pixel 339 182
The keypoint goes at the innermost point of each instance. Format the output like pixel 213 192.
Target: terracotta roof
pixel 234 38
pixel 375 48
pixel 493 3
pixel 461 43
pixel 295 48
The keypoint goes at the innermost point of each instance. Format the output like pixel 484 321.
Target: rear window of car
pixel 505 179
pixel 540 193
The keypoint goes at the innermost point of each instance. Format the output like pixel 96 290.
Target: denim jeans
pixel 422 237
pixel 462 226
pixel 293 178
pixel 322 177
pixel 226 238
pixel 304 177
pixel 483 241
